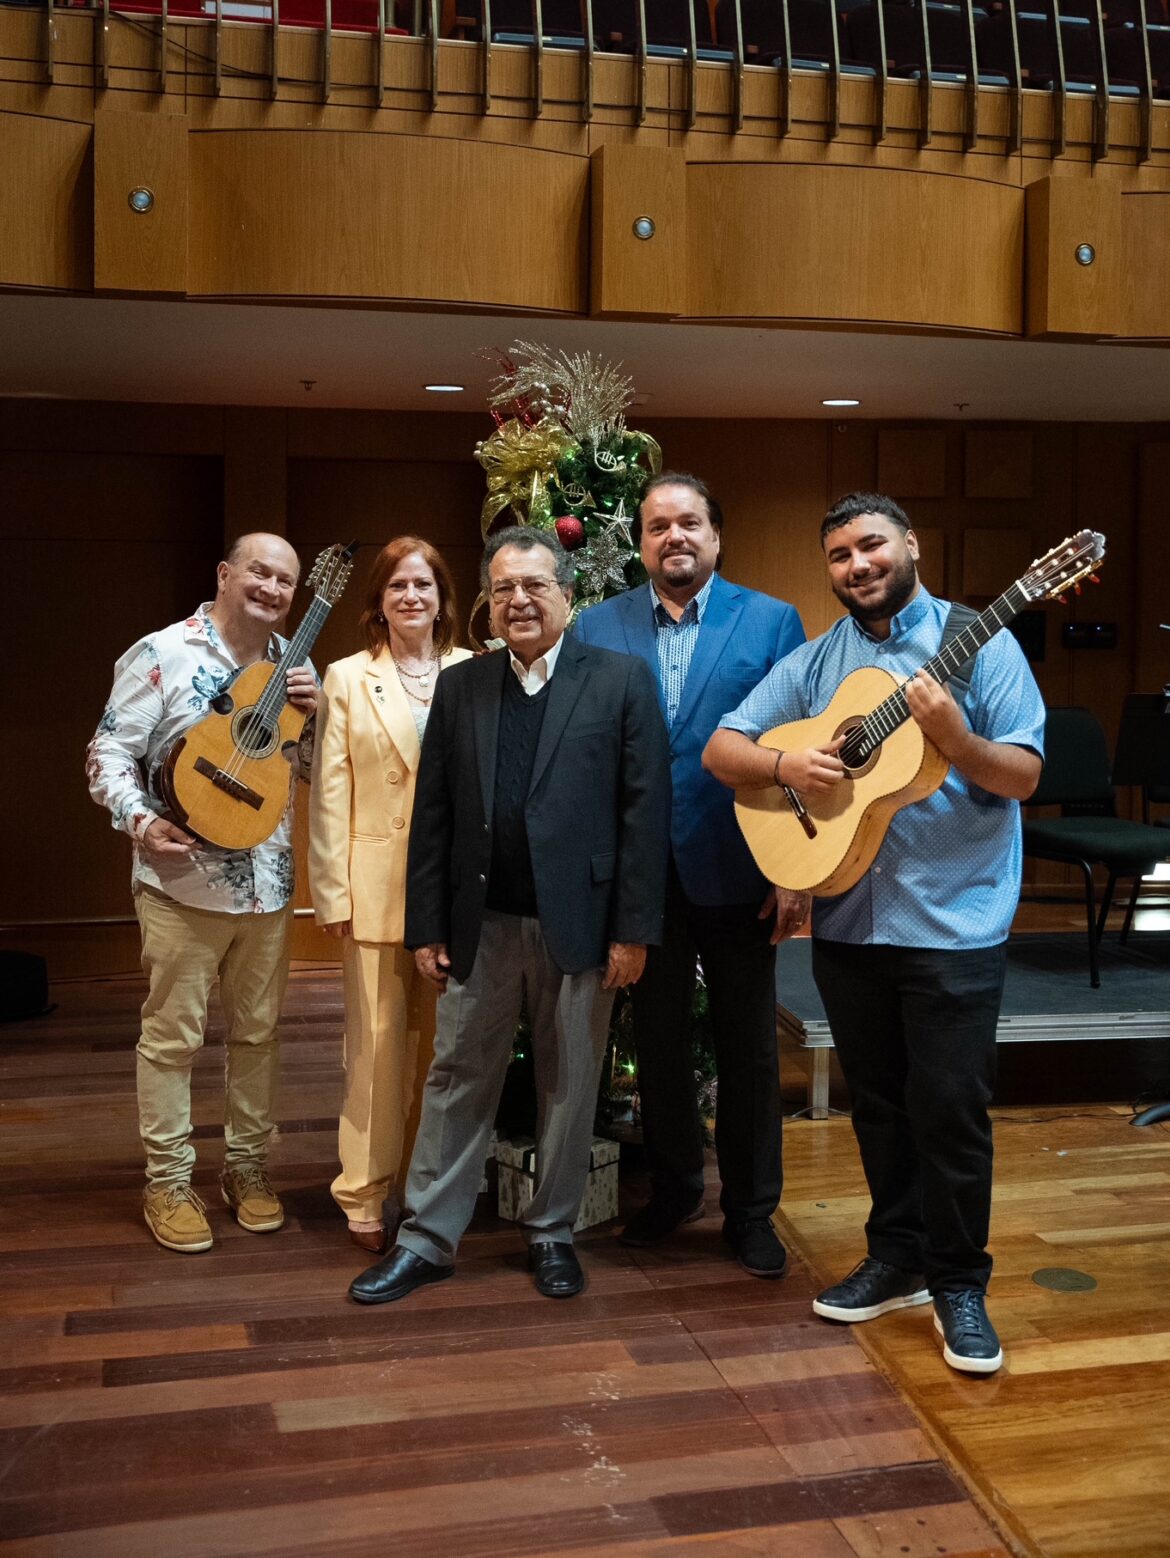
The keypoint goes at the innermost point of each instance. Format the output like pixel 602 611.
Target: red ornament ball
pixel 570 532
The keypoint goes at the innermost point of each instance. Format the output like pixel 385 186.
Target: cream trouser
pixel 389 1041
pixel 183 951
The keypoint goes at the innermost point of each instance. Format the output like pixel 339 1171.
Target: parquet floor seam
pixel 237 1403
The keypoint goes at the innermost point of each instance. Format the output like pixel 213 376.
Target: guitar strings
pixel 264 714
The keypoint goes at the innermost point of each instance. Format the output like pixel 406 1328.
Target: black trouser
pixel 914 1030
pixel 739 967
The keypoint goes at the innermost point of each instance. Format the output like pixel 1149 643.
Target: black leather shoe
pixel 556 1269
pixel 756 1247
pixel 658 1219
pixel 399 1274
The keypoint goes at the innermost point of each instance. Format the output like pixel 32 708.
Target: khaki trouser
pixel 183 951
pixel 389 1041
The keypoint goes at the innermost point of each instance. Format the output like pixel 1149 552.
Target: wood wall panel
pixel 1146 229
pixel 133 251
pixel 631 275
pixel 992 559
pixel 99 513
pixel 912 462
pixel 255 465
pixel 46 201
pixel 932 558
pixel 997 463
pixel 125 544
pixel 839 243
pixel 352 215
pixel 1066 298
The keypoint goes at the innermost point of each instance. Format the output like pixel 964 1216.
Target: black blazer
pixel 598 811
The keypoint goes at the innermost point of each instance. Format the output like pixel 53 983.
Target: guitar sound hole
pixel 251 736
pixel 855 751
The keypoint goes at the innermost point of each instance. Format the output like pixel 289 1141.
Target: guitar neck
pixel 300 646
pixel 894 711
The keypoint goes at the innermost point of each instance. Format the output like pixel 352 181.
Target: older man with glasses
pixel 536 875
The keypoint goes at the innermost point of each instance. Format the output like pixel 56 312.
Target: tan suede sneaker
pixel 175 1215
pixel 247 1191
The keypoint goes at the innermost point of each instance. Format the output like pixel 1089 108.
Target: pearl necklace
pixel 423 678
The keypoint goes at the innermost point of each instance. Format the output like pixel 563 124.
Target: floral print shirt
pixel 162 686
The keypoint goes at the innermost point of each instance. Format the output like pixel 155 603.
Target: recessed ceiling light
pixel 444 389
pixel 840 403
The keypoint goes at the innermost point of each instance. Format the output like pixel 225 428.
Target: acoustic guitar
pixel 824 844
pixel 226 780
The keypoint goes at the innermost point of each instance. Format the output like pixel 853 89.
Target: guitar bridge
pixel 236 788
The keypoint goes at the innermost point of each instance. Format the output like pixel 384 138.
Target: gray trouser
pixel 475 1025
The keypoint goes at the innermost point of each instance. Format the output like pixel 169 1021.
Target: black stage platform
pixel 1046 996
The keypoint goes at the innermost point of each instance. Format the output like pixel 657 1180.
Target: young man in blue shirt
pixel 910 961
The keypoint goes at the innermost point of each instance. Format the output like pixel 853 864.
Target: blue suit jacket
pixel 742 637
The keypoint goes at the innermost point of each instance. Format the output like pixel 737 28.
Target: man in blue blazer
pixel 708 643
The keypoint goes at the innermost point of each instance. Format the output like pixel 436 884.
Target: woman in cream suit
pixel 370 723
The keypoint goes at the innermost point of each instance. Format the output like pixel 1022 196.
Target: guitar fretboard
pixel 863 741
pixel 275 695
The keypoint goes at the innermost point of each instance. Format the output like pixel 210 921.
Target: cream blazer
pixel 365 761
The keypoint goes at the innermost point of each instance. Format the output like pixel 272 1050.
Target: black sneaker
pixel 756 1247
pixel 872 1288
pixel 969 1339
pixel 657 1220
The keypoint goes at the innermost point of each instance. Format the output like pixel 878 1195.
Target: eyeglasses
pixel 535 588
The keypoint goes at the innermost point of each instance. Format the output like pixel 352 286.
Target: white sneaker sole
pixel 838 1312
pixel 183 1249
pixel 968 1365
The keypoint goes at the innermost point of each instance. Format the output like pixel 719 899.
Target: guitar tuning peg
pixel 1076 589
pixel 1063 599
pixel 1093 579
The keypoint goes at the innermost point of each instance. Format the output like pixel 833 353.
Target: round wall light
pixel 840 403
pixel 141 200
pixel 1086 254
pixel 644 227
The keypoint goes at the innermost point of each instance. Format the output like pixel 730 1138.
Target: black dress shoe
pixel 556 1269
pixel 658 1219
pixel 756 1247
pixel 399 1274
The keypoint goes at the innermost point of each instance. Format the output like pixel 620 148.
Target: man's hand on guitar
pixel 792 911
pixel 165 840
pixel 302 689
pixel 812 770
pixel 936 714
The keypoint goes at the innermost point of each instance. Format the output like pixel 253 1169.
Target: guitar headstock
pixel 1070 561
pixel 330 573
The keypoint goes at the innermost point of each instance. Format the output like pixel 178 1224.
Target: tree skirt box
pixel 516 1160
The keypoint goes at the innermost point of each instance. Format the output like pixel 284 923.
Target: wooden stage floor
pixel 237 1402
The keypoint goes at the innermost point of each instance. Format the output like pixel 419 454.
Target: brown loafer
pixel 373 1240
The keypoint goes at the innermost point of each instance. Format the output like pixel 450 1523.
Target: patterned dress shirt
pixel 948 872
pixel 676 642
pixel 162 686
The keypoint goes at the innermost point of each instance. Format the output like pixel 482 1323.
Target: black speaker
pixel 24 986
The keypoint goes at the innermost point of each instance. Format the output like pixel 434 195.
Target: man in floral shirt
pixel 204 912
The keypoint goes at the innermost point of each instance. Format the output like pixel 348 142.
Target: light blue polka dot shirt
pixel 948 872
